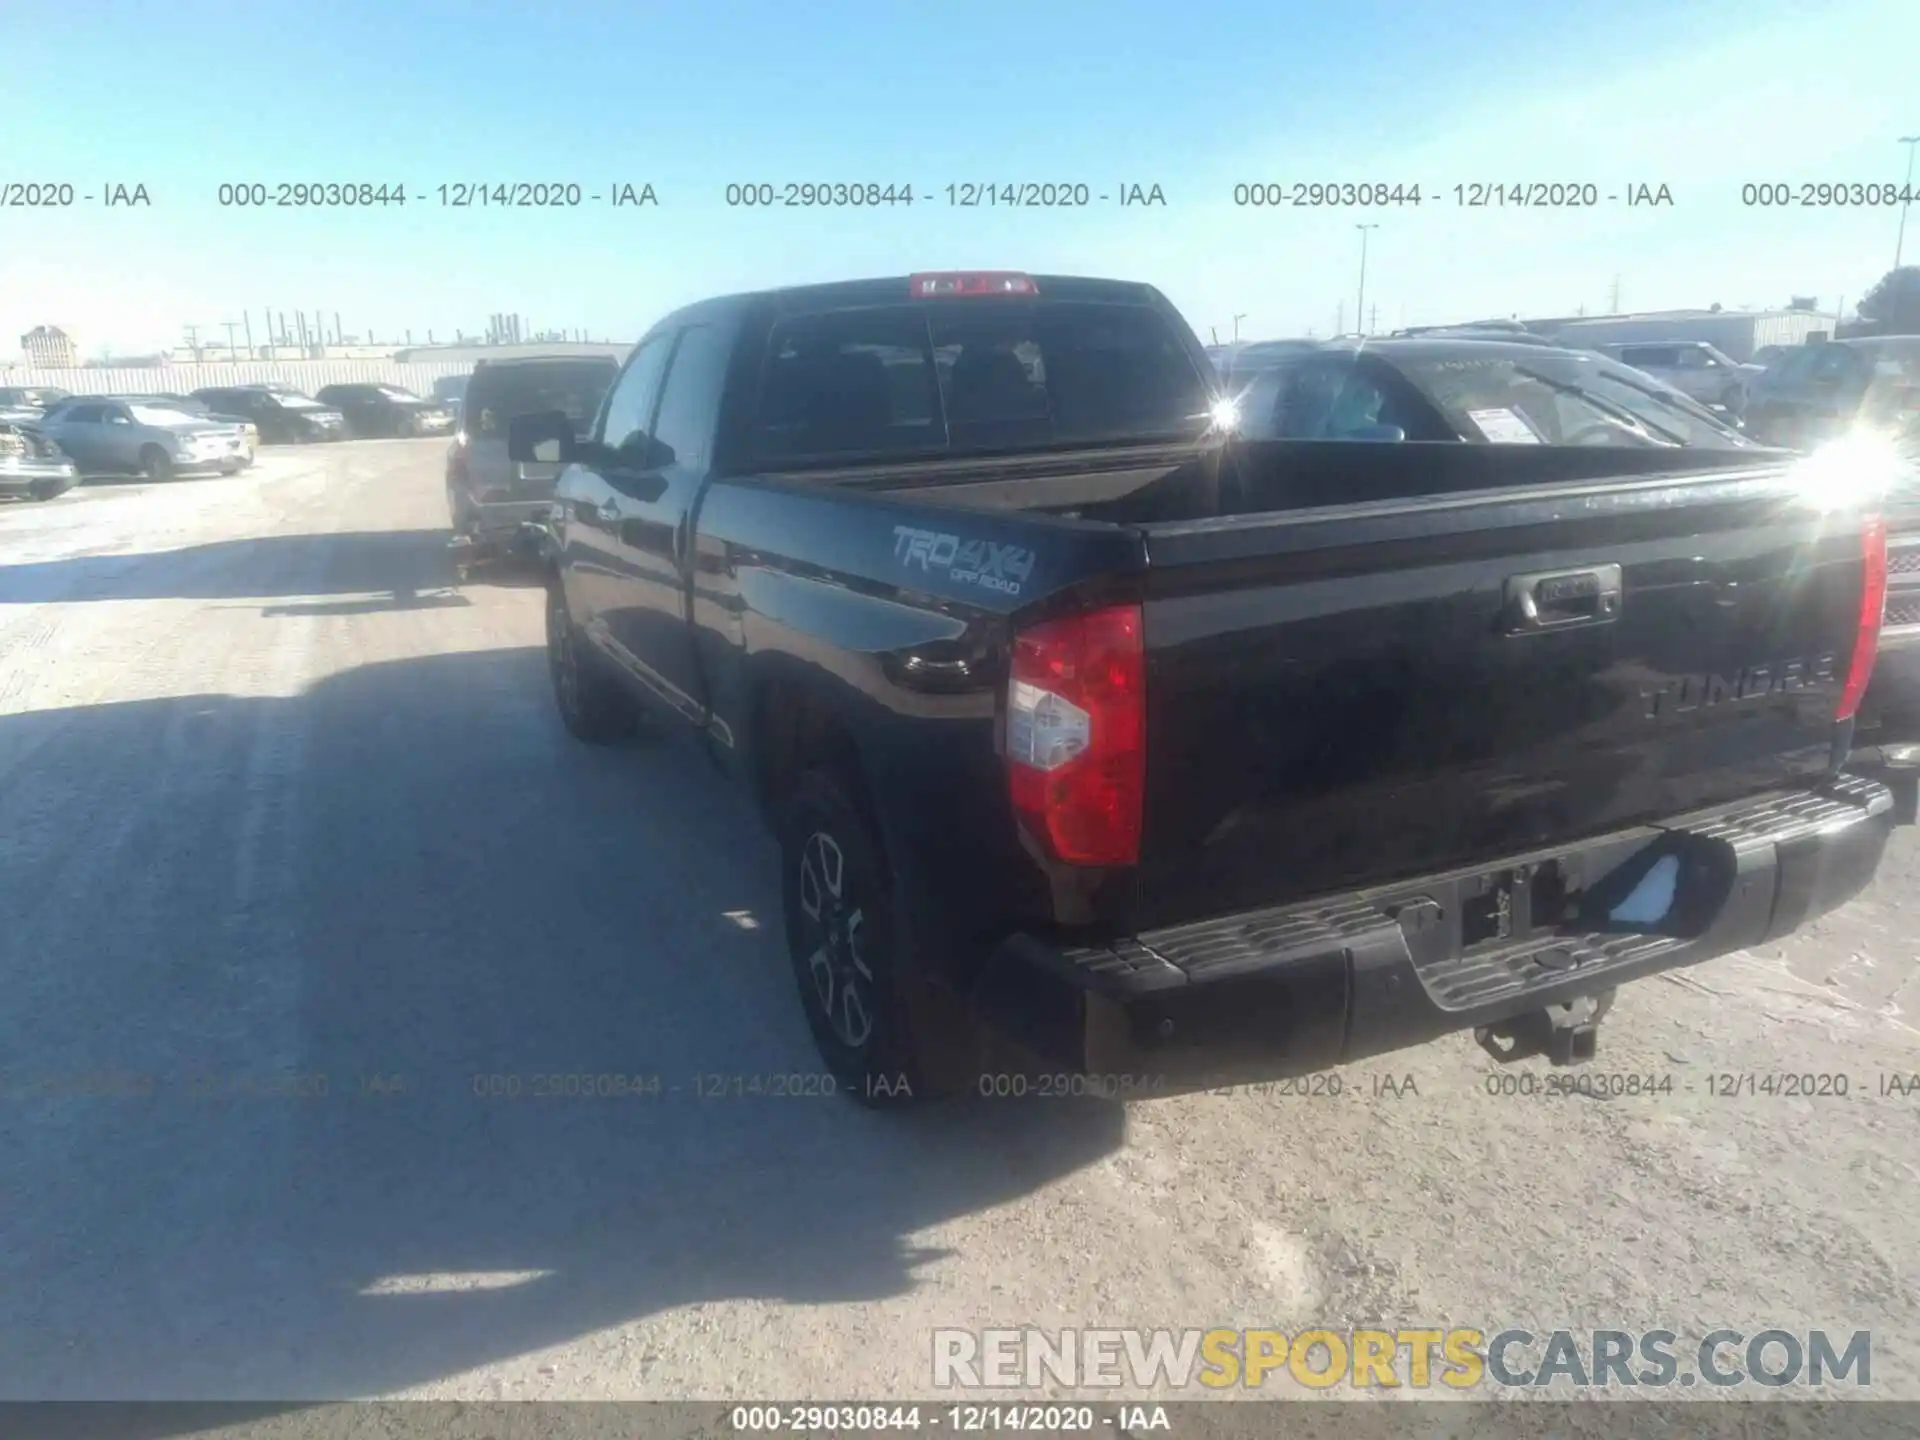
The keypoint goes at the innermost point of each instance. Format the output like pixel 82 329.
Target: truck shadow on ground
pixel 351 562
pixel 407 888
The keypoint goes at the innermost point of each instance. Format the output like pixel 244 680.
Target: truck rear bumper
pixel 1297 989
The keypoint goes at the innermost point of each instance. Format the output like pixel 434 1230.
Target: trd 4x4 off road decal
pixel 968 562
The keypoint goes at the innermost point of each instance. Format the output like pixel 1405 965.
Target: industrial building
pixel 49 345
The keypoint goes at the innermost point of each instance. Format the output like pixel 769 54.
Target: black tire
pixel 850 940
pixel 592 705
pixel 156 464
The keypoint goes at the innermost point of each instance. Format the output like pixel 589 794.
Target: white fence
pixel 306 375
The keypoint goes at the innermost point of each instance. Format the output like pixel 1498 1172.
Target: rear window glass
pixel 1327 397
pixel 1558 399
pixel 493 396
pixel 905 381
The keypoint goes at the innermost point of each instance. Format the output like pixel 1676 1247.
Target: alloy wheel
pixel 842 977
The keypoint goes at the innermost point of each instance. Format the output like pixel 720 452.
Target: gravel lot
pixel 276 799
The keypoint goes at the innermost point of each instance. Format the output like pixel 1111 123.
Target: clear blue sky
pixel 688 98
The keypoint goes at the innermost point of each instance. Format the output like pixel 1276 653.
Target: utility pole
pixel 1236 326
pixel 246 317
pixel 1906 199
pixel 232 352
pixel 1214 331
pixel 193 341
pixel 1373 319
pixel 1360 306
pixel 1613 297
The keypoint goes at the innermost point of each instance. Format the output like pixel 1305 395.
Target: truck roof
pixel 894 289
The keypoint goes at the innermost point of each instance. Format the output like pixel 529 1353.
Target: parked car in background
pixel 248 432
pixel 281 415
pixel 386 410
pixel 32 465
pixel 488 495
pixel 1767 356
pixel 109 436
pixel 30 397
pixel 1692 367
pixel 1471 390
pixel 1823 391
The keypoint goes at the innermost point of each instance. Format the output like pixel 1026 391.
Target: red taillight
pixel 1076 735
pixel 1873 610
pixel 942 283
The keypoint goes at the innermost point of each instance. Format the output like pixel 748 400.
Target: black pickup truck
pixel 1190 757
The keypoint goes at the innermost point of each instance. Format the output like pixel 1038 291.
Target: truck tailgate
pixel 1350 694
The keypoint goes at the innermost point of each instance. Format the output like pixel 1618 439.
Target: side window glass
pixel 623 427
pixel 690 403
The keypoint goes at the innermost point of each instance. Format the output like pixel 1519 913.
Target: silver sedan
pixel 128 437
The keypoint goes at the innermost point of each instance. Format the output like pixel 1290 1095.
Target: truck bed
pixel 1342 686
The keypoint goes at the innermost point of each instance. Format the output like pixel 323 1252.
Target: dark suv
pixel 488 494
pixel 387 410
pixel 280 415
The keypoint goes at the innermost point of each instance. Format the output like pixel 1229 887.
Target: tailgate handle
pixel 1557 599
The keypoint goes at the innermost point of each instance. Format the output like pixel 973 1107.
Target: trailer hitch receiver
pixel 1567 1034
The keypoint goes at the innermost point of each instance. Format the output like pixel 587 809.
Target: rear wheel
pixel 851 954
pixel 592 705
pixel 156 464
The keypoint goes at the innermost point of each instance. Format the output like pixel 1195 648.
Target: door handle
pixel 1559 599
pixel 608 513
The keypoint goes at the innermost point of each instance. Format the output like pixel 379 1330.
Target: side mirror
pixel 543 438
